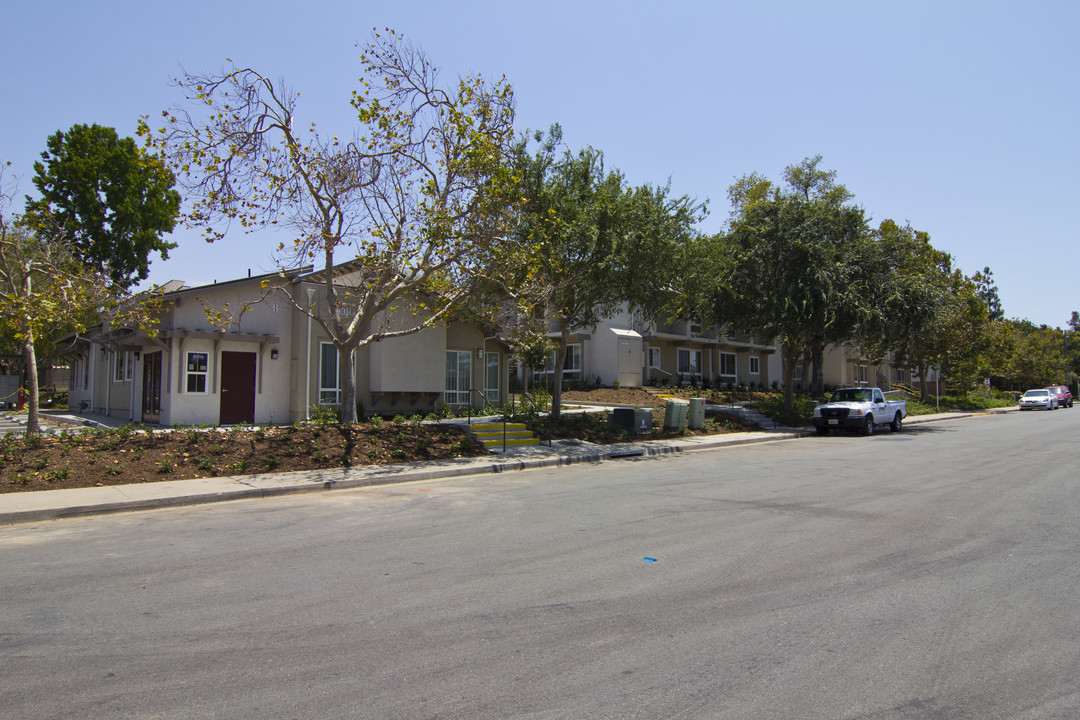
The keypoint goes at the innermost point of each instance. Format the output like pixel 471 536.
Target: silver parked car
pixel 1038 399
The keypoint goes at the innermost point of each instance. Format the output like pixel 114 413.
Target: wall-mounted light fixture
pixel 480 353
pixel 273 354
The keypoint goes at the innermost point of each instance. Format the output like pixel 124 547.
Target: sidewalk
pixel 54 504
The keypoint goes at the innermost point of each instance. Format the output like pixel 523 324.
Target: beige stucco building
pixel 273 363
pixel 636 351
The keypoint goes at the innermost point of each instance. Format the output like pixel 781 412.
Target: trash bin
pixel 696 413
pixel 675 414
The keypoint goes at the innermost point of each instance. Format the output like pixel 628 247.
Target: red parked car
pixel 1064 397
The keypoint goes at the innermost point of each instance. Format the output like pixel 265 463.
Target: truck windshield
pixel 852 395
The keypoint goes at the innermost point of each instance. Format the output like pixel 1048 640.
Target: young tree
pixel 43 287
pixel 419 202
pixel 113 200
pixel 787 269
pixel 593 240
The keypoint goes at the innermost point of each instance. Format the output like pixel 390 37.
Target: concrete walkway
pixel 53 504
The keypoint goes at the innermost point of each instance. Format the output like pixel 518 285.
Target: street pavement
pixel 24 507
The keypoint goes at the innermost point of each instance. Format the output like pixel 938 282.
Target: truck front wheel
pixel 869 429
pixel 897 424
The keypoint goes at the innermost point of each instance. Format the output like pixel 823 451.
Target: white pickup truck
pixel 859 409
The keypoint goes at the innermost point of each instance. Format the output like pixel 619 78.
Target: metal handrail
pixel 656 369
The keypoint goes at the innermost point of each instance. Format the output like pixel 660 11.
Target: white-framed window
pixel 122 366
pixel 491 377
pixel 197 364
pixel 798 372
pixel 689 362
pixel 329 377
pixel 755 365
pixel 727 365
pixel 458 376
pixel 654 357
pixel 571 365
pixel 861 373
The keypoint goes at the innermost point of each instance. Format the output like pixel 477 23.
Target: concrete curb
pixel 30 507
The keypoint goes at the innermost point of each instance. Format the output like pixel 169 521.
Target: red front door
pixel 237 388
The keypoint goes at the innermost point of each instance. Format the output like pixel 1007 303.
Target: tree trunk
pixel 924 392
pixel 560 359
pixel 790 358
pixel 817 387
pixel 347 373
pixel 33 420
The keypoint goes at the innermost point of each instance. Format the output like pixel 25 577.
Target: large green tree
pixel 595 244
pixel 1037 357
pixel 114 201
pixel 420 201
pixel 786 263
pixel 911 293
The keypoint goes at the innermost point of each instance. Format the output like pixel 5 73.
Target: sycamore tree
pixel 114 201
pixel 419 201
pixel 593 244
pixel 786 265
pixel 45 288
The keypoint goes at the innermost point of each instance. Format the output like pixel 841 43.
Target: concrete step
pixel 494 436
pixel 750 415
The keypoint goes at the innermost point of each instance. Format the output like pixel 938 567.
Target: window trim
pixel 694 369
pixel 122 362
pixel 574 351
pixel 190 374
pixel 755 365
pixel 734 365
pixel 488 389
pixel 324 391
pixel 453 397
pixel 654 351
pixel 862 374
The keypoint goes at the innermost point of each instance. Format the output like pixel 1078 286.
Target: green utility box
pixel 675 414
pixel 696 416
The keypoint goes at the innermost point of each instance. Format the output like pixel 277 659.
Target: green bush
pixel 324 414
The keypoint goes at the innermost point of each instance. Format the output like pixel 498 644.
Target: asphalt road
pixel 930 574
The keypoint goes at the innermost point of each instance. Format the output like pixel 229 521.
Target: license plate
pixel 834 422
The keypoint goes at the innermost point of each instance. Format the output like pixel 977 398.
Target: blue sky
pixel 958 117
